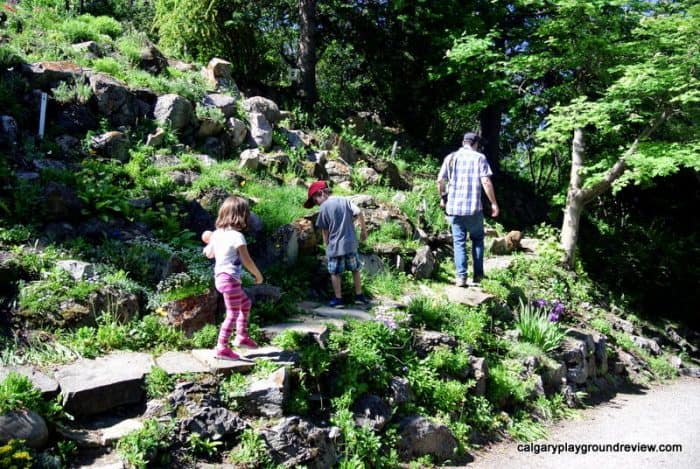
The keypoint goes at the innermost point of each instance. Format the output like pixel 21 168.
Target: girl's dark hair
pixel 234 213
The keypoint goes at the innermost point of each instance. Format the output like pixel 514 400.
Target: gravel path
pixel 664 414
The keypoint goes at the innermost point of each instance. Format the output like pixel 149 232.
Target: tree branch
pixel 620 165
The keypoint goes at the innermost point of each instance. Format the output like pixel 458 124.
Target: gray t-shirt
pixel 336 216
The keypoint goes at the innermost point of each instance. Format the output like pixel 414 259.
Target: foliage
pixel 158 383
pixel 202 446
pixel 251 450
pixel 76 92
pixel 15 454
pixel 90 28
pixel 17 392
pixel 361 446
pixel 505 385
pixel 537 328
pixel 523 428
pixel 41 299
pixel 145 446
pixel 210 113
pixel 178 286
pixel 368 356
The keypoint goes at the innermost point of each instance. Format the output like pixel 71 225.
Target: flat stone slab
pixel 472 296
pixel 303 324
pixel 497 262
pixel 46 384
pixel 207 357
pixel 273 354
pixel 100 435
pixel 181 362
pixel 93 386
pixel 335 313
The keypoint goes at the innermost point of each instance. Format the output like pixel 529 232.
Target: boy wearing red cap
pixel 336 221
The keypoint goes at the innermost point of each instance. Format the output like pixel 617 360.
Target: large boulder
pixel 151 59
pixel 267 397
pixel 174 110
pixel 260 130
pixel 192 313
pixel 423 263
pixel 24 425
pixel 113 144
pixel 425 341
pixel 296 442
pixel 237 129
pixel 264 106
pixel 223 102
pixel 338 171
pixel 218 74
pixel 114 100
pixel 48 74
pixel 372 412
pixel 418 437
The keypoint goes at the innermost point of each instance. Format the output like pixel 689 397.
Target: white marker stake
pixel 42 115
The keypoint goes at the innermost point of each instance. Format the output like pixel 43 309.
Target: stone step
pixel 93 386
pixel 247 361
pixel 315 327
pixel 103 432
pixel 471 296
pixel 349 312
pixel 182 362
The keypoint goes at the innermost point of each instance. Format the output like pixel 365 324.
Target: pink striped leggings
pixel 237 308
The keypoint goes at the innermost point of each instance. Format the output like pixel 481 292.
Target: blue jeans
pixel 474 225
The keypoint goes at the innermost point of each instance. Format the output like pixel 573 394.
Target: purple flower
pixel 541 303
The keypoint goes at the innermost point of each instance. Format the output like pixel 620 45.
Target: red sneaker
pixel 244 342
pixel 227 354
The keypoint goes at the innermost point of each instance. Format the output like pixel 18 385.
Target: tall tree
pixel 643 125
pixel 307 52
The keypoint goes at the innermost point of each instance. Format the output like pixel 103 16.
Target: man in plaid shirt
pixel 461 177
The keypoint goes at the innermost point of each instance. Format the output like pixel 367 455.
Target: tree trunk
pixel 574 200
pixel 490 122
pixel 307 52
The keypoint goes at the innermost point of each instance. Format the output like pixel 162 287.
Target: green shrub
pixel 205 337
pixel 506 386
pixel 523 428
pixel 388 283
pixel 159 383
pixel 536 328
pixel 17 392
pixel 90 28
pixel 361 447
pixel 601 325
pixel 107 65
pixel 16 454
pixel 76 92
pixel 146 446
pixel 251 451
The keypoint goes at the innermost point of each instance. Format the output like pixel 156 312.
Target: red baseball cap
pixel 313 188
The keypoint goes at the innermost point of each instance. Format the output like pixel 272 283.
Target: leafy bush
pixel 146 446
pixel 90 28
pixel 76 92
pixel 361 447
pixel 159 383
pixel 15 454
pixel 536 327
pixel 17 392
pixel 107 65
pixel 251 451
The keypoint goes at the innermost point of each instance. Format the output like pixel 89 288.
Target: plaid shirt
pixel 463 176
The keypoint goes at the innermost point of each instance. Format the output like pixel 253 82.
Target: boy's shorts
pixel 338 265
